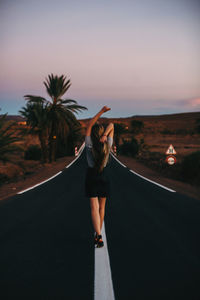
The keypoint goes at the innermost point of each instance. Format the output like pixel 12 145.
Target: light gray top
pixel 88 147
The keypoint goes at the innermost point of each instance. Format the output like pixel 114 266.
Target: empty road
pixel 46 240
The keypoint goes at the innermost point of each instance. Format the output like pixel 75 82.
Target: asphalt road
pixel 46 240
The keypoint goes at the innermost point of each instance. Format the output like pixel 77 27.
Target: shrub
pixel 180 131
pixel 3 178
pixel 33 153
pixel 190 168
pixel 197 128
pixel 129 148
pixel 137 126
pixel 167 131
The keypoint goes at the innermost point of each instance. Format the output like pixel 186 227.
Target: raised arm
pixel 108 132
pixel 95 118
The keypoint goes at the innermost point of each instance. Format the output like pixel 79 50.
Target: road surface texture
pixel 46 240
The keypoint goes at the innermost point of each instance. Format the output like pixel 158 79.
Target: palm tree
pixel 66 146
pixel 60 111
pixel 36 114
pixel 74 137
pixel 7 140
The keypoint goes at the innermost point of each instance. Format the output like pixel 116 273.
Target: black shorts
pixel 97 184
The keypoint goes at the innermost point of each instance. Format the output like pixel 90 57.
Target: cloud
pixel 193 102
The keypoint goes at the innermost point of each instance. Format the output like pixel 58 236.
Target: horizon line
pixel 142 115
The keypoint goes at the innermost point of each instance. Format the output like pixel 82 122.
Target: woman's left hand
pixel 103 139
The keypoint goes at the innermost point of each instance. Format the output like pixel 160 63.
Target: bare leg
pixel 102 202
pixel 94 204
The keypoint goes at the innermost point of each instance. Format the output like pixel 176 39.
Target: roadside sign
pixel 171 160
pixel 170 150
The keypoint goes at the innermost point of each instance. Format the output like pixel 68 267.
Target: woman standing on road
pixel 98 143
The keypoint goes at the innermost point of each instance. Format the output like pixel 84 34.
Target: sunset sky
pixel 139 57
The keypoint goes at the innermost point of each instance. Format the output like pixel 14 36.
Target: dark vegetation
pixel 190 168
pixel 53 121
pixel 8 139
pixel 33 153
pixel 129 148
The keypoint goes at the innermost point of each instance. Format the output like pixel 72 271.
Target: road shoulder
pixel 178 186
pixel 41 174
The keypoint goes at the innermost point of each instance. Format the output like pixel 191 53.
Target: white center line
pixel 103 286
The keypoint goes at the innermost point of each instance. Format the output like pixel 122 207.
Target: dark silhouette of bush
pixel 136 126
pixel 190 168
pixel 3 178
pixel 180 131
pixel 197 128
pixel 129 148
pixel 33 153
pixel 119 129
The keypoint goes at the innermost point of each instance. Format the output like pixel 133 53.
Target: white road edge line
pixel 164 187
pixel 79 153
pixel 119 161
pixel 32 187
pixel 103 286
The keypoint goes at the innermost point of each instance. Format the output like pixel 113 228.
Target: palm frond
pixel 54 117
pixel 56 86
pixel 34 99
pixel 65 101
pixel 7 139
pixel 76 108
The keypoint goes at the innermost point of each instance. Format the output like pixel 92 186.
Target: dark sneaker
pixel 100 242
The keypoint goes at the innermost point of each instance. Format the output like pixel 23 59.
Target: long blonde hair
pixel 99 149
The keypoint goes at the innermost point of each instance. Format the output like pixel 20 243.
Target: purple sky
pixel 136 56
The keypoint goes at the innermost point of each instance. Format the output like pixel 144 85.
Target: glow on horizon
pixel 139 57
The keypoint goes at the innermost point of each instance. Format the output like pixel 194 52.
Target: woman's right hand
pixel 105 108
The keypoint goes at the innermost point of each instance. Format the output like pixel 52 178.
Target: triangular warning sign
pixel 170 150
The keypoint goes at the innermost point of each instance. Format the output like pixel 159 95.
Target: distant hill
pixel 152 123
pixel 155 123
pixel 183 116
pixel 16 118
pixel 187 115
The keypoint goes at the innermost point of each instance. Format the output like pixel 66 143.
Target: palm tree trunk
pixel 52 146
pixel 44 147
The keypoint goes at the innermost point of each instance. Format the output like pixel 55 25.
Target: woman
pixel 98 143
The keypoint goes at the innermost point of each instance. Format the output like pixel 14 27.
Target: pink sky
pixel 139 57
